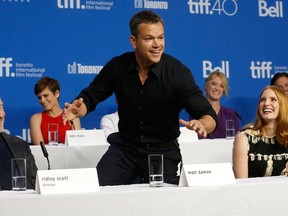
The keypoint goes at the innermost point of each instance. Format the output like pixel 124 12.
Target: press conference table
pixel 262 196
pixel 69 157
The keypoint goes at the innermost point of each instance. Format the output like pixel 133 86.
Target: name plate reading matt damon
pixel 65 181
pixel 206 174
pixel 85 137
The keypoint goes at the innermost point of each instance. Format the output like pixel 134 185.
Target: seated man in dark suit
pixel 14 147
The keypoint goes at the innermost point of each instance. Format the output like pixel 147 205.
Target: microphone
pixel 238 115
pixel 45 153
pixel 72 124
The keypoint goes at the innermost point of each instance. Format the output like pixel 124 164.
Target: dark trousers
pixel 127 162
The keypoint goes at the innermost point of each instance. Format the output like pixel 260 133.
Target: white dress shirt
pixel 109 123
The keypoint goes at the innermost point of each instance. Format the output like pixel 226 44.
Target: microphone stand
pixel 45 153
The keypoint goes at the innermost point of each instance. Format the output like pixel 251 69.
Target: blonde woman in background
pixel 216 85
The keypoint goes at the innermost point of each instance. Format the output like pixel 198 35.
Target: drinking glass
pixel 230 130
pixel 53 134
pixel 18 170
pixel 155 162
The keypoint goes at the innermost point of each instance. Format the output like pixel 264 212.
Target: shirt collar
pixel 133 64
pixel 155 69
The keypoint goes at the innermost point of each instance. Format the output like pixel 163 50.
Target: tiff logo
pixel 5 64
pixel 208 68
pixel 260 70
pixel 272 11
pixel 200 7
pixel 70 4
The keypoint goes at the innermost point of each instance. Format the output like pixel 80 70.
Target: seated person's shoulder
pixel 228 111
pixel 14 139
pixel 36 118
pixel 110 117
pixel 36 115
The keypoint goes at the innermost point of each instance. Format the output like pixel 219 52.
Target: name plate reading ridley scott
pixel 67 181
pixel 206 174
pixel 85 137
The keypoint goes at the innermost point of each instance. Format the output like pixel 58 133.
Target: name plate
pixel 206 174
pixel 67 181
pixel 85 137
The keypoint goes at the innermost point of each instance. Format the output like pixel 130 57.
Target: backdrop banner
pixel 71 40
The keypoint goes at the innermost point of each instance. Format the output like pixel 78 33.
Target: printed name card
pixel 85 137
pixel 66 181
pixel 206 174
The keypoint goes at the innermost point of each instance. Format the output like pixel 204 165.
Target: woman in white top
pixel 109 123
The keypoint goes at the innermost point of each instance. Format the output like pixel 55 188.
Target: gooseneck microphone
pixel 238 115
pixel 45 153
pixel 72 124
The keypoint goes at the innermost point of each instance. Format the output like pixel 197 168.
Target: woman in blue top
pixel 216 85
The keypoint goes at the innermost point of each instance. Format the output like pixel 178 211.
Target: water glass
pixel 18 171
pixel 230 129
pixel 53 134
pixel 155 162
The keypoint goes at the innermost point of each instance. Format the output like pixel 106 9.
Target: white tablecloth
pixel 69 157
pixel 249 197
pixel 207 151
pixel 64 157
pixel 259 196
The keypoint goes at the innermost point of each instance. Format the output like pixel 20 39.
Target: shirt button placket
pixel 141 114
